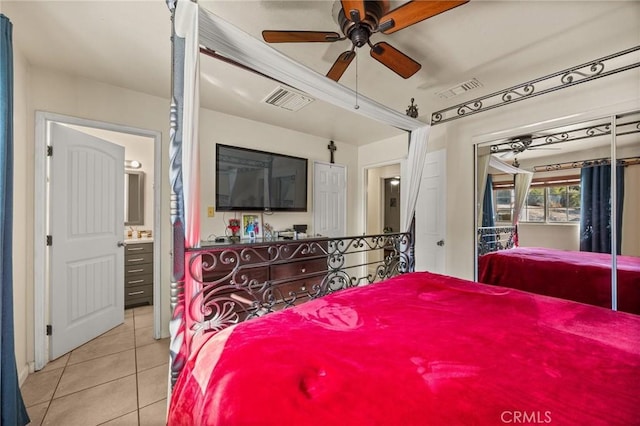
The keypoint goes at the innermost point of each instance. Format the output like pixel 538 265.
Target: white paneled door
pixel 329 200
pixel 431 215
pixel 86 225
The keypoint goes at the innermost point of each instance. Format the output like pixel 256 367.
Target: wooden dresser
pixel 138 273
pixel 286 278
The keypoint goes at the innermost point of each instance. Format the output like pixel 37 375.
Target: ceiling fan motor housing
pixel 360 29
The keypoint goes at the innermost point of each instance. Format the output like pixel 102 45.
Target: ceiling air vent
pixel 288 99
pixel 459 89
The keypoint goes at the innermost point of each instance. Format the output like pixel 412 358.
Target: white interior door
pixel 431 215
pixel 86 224
pixel 329 199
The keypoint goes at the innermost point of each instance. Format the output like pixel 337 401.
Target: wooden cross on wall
pixel 332 147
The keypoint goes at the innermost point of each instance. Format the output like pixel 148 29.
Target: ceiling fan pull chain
pixel 356 106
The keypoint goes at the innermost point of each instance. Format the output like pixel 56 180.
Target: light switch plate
pixel 210 211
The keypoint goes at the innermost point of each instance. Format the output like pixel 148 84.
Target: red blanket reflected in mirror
pixel 573 275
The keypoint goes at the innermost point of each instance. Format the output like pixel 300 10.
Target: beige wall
pixel 22 218
pixel 558 235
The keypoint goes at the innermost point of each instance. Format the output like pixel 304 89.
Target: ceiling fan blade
pixel 341 64
pixel 394 59
pixel 350 8
pixel 299 36
pixel 413 12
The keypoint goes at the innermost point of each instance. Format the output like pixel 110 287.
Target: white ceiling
pixel 501 43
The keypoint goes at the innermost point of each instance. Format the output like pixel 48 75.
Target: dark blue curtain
pixel 595 204
pixel 12 406
pixel 488 216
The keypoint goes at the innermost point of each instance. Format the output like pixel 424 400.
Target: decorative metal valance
pixel 521 144
pixel 586 163
pixel 592 70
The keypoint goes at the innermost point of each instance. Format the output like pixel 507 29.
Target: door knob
pixel 440 243
pixel 121 244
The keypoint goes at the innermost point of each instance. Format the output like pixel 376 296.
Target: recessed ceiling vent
pixel 459 89
pixel 288 99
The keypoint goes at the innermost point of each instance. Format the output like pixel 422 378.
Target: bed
pixel 419 348
pixel 573 275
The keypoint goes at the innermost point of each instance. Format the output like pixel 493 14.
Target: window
pixel 504 200
pixel 546 203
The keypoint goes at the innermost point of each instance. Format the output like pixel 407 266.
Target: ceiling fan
pixel 358 20
pixel 517 145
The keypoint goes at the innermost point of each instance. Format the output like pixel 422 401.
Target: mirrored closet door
pixel 627 153
pixel 552 208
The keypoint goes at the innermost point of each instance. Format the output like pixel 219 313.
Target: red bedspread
pixel 418 349
pixel 573 275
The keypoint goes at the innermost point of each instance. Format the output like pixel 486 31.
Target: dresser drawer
pixel 135 280
pixel 300 288
pixel 138 294
pixel 302 267
pixel 137 258
pixel 137 269
pixel 137 248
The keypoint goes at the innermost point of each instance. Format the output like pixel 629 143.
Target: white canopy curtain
pixel 483 171
pixel 522 179
pixel 521 184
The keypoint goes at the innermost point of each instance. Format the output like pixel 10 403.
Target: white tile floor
pixel 118 378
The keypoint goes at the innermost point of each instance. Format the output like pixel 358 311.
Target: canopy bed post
pixel 176 198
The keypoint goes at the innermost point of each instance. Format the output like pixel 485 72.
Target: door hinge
pixel 49 240
pixel 49 330
pixel 49 150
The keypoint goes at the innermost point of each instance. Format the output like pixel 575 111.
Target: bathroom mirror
pixel 133 198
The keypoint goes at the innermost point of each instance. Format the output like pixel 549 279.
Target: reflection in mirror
pixel 627 154
pixel 544 204
pixel 133 198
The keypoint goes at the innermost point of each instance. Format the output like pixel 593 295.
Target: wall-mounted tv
pixel 252 180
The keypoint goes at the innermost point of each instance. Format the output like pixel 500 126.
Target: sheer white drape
pixel 522 183
pixel 186 25
pixel 481 182
pixel 413 175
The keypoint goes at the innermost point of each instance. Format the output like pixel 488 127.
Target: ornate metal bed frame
pixel 347 265
pixel 494 238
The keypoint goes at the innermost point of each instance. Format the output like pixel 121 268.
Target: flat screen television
pixel 252 180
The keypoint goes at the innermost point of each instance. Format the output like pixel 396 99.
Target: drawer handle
pixel 303 288
pixel 136 292
pixel 303 270
pixel 135 281
pixel 135 248
pixel 135 270
pixel 137 259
